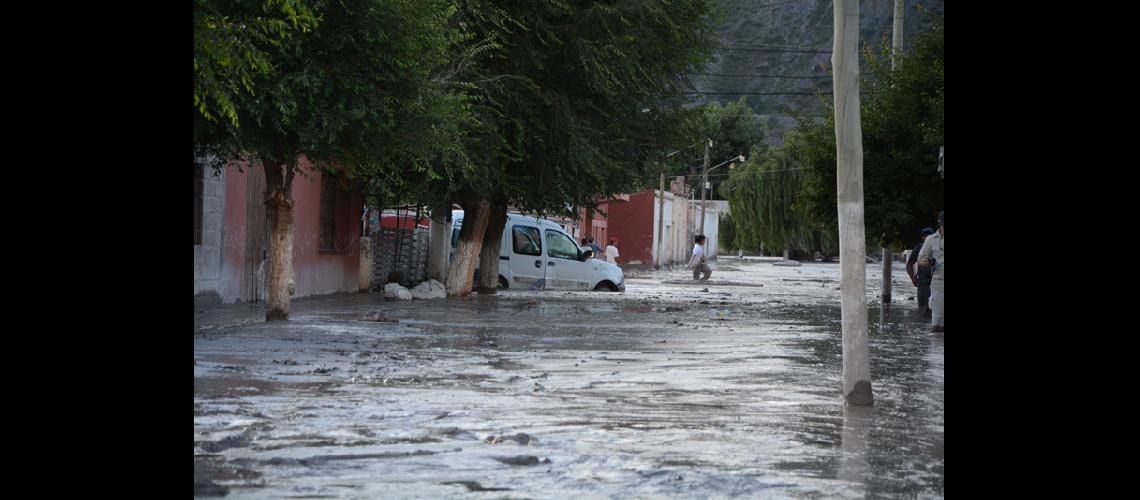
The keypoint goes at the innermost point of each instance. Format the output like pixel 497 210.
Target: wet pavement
pixel 672 389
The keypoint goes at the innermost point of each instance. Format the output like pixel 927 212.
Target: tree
pixel 353 95
pixel 231 43
pixel 903 123
pixel 766 193
pixel 735 130
pixel 579 98
pixel 726 236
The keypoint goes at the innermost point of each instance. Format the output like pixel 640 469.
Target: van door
pixel 526 258
pixel 563 269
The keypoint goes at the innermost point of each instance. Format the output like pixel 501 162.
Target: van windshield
pixel 561 246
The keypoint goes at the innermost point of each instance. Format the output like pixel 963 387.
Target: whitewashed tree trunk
pixel 489 255
pixel 849 179
pixel 439 242
pixel 462 271
pixel 279 211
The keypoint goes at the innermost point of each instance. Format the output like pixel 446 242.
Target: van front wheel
pixel 606 285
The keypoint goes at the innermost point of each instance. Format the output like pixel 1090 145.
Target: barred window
pixel 328 214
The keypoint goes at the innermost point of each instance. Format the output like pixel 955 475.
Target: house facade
pixel 635 224
pixel 231 234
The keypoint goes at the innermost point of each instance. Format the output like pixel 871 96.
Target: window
pixel 199 192
pixel 527 240
pixel 333 202
pixel 561 246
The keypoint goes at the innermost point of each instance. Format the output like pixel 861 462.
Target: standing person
pixel 612 251
pixel 920 276
pixel 699 263
pixel 933 255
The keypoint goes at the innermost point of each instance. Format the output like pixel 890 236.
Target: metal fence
pixel 399 255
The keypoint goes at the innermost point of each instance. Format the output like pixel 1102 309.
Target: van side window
pixel 527 240
pixel 561 246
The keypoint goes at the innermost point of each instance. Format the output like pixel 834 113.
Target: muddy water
pixel 532 394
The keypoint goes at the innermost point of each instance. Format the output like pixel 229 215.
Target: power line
pixel 861 92
pixel 768 76
pixel 751 93
pixel 760 76
pixel 790 51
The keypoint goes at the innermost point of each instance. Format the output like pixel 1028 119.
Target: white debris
pixel 393 291
pixel 430 289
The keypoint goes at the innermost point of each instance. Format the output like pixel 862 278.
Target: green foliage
pixel 734 129
pixel 765 193
pixel 726 236
pixel 903 124
pixel 574 100
pixel 231 43
pixel 355 92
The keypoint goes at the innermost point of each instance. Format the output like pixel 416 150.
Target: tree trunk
pixel 849 183
pixel 887 264
pixel 462 270
pixel 489 255
pixel 279 211
pixel 439 242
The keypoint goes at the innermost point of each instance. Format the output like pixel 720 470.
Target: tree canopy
pixel 355 92
pixel 902 118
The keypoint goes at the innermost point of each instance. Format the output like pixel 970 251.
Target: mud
pixel 569 394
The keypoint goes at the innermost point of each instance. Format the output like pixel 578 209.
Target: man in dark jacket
pixel 920 276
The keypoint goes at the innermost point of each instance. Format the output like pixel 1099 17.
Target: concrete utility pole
pixel 897 39
pixel 849 188
pixel 660 220
pixel 704 181
pixel 897 46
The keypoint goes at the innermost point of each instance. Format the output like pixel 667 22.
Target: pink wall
pixel 315 272
pixel 318 272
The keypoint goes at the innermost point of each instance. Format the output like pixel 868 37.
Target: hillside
pixel 784 46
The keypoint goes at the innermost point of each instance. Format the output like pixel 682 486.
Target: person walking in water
pixel 932 256
pixel 698 261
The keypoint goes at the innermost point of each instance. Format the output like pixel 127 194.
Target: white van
pixel 537 253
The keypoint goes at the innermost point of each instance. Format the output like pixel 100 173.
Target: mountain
pixel 784 46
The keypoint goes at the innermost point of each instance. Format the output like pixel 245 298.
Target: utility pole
pixel 704 181
pixel 897 46
pixel 849 193
pixel 660 219
pixel 897 39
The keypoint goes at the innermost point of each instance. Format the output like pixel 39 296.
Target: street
pixel 673 388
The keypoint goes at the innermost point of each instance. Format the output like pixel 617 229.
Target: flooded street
pixel 672 389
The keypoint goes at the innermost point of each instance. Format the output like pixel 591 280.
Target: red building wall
pixel 632 223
